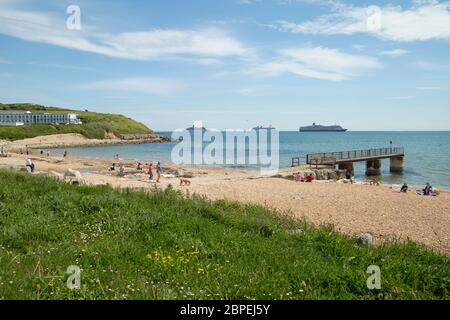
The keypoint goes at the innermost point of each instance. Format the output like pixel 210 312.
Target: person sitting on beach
pixel 427 190
pixel 404 188
pixel 113 167
pixel 310 178
pixel 297 177
pixel 150 171
pixel 29 163
pixel 65 154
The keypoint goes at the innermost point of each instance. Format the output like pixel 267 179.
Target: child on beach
pixel 150 171
pixel 158 171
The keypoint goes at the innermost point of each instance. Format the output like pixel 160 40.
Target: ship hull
pixel 322 130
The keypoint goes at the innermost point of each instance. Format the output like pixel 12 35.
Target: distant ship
pixel 270 127
pixel 319 128
pixel 196 128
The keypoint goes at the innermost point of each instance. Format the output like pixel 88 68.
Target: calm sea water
pixel 427 153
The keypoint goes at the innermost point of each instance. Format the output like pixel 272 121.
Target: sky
pixel 365 65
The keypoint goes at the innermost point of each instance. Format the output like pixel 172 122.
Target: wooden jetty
pixel 346 159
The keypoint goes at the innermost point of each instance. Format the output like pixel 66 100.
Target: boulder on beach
pixel 72 173
pixel 365 239
pixel 72 176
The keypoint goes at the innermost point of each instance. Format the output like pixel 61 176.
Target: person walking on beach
pixel 150 171
pixel 158 171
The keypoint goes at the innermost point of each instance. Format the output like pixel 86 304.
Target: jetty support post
pixel 396 164
pixel 373 167
pixel 348 166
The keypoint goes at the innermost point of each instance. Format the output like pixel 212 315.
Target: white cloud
pixel 394 53
pixel 319 63
pixel 424 20
pixel 207 43
pixel 143 85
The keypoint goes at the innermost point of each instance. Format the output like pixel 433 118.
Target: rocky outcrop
pixel 152 137
pixel 323 174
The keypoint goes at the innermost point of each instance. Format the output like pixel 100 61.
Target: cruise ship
pixel 319 128
pixel 270 127
pixel 196 128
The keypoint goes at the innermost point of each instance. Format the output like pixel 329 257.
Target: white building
pixel 20 118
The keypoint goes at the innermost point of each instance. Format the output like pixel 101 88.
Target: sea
pixel 427 154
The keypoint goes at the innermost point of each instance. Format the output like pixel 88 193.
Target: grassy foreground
pixel 95 125
pixel 161 245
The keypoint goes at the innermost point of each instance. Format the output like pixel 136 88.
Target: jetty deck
pixel 345 159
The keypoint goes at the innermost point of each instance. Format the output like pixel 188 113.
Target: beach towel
pixel 420 193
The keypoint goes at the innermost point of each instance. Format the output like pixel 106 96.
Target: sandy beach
pixel 351 208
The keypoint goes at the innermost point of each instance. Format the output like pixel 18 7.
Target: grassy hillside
pixel 133 245
pixel 95 125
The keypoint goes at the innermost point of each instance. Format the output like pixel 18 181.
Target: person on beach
pixel 139 166
pixel 348 175
pixel 65 154
pixel 310 178
pixel 113 167
pixel 121 170
pixel 158 171
pixel 150 171
pixel 427 190
pixel 404 188
pixel 29 163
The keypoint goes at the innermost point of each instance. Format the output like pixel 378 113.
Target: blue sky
pixel 367 65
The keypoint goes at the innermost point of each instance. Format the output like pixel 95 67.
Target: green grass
pixel 161 245
pixel 95 125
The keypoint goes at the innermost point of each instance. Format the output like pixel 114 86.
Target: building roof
pixel 14 111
